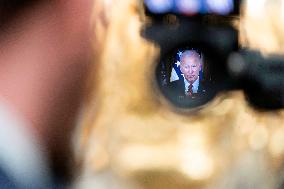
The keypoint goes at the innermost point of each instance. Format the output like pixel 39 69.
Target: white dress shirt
pixel 195 85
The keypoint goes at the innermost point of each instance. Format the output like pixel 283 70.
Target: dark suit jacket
pixel 176 93
pixel 178 88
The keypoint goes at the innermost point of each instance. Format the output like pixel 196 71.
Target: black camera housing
pixel 261 78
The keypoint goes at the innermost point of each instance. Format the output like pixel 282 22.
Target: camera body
pixel 216 36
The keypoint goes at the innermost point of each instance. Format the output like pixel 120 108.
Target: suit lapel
pixel 181 85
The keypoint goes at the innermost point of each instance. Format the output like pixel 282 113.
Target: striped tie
pixel 189 90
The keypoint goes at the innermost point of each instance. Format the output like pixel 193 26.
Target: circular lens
pixel 184 77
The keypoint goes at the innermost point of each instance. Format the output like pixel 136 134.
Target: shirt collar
pixel 195 85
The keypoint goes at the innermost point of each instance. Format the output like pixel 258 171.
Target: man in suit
pixel 189 86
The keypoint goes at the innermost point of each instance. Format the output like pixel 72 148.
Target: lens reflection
pixel 184 78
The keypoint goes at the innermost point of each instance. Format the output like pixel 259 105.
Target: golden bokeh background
pixel 131 137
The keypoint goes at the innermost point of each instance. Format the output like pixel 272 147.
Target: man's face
pixel 190 67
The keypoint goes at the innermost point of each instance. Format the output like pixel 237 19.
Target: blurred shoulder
pixel 5 181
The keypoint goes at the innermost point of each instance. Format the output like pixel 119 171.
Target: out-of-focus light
pixel 258 138
pixel 159 6
pixel 195 161
pixel 188 6
pixel 276 145
pixel 282 11
pixel 222 7
pixel 138 157
pixel 193 139
pixel 255 8
pixel 196 164
pixel 107 2
pixel 98 158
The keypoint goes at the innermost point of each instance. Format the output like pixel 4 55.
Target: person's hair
pixel 10 8
pixel 190 53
